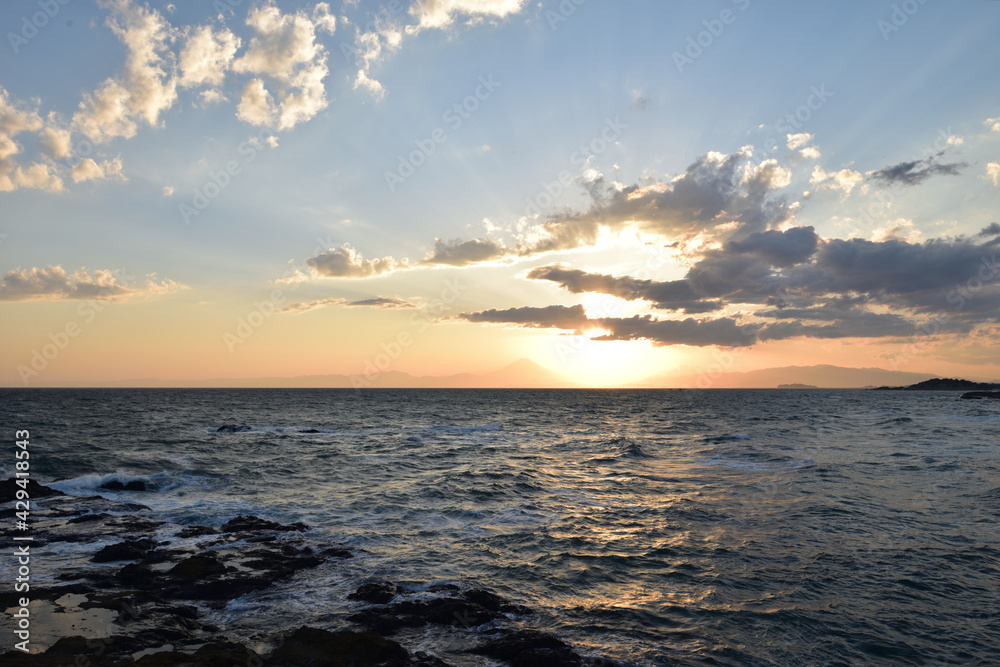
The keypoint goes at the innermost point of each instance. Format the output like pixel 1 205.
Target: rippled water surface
pixel 648 527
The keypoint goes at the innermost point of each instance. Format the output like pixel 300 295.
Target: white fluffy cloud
pixel 346 262
pixel 145 89
pixel 284 49
pixel 993 172
pixel 441 13
pixel 844 180
pixel 993 124
pixel 91 170
pixel 206 57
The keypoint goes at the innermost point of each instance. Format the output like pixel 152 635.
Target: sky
pixel 621 192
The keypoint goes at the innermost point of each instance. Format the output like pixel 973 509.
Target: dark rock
pixel 115 485
pixel 307 647
pixel 547 657
pixel 233 428
pixel 197 567
pixel 215 653
pixel 253 524
pixel 982 394
pixel 376 592
pixel 128 550
pixel 494 602
pixel 196 531
pixel 10 487
pixel 310 430
pixel 511 647
pixel 417 613
pixel 90 517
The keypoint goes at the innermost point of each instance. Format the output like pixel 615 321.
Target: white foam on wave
pixel 89 485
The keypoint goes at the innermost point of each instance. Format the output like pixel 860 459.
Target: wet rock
pixel 528 648
pixel 494 602
pixel 376 592
pixel 10 487
pixel 311 430
pixel 128 550
pixel 216 653
pixel 233 428
pixel 981 394
pixel 197 567
pixel 86 518
pixel 417 613
pixel 115 485
pixel 307 647
pixel 196 531
pixel 253 524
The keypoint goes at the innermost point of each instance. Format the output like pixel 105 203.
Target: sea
pixel 643 527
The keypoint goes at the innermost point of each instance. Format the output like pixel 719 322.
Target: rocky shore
pixel 134 597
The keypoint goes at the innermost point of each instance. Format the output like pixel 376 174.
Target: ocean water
pixel 743 527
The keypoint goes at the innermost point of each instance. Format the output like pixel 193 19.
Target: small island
pixel 974 390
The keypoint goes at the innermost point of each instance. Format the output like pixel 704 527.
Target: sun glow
pixel 601 363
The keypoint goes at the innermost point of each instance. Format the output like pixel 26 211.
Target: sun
pixel 601 363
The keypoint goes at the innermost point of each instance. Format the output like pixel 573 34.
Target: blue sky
pixel 875 86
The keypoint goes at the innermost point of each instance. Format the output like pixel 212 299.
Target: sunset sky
pixel 617 191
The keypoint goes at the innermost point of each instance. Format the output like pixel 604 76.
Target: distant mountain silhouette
pixel 824 375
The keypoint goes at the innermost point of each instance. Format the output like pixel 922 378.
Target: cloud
pixel 915 171
pixel 168 191
pixel 463 253
pixel 675 295
pixel 993 124
pixel 722 331
pixel 993 172
pixel 346 262
pixel 373 302
pixel 797 143
pixel 88 169
pixel 207 56
pixel 256 104
pixel 147 86
pixel 284 49
pixel 442 13
pixel 53 283
pixel 570 318
pixel 55 143
pixel 993 229
pixel 844 180
pixel 778 248
pixel 15 119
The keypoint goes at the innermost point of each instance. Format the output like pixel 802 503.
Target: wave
pixel 93 484
pixel 745 463
pixel 449 428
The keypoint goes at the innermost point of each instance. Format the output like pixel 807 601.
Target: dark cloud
pixel 916 171
pixel 723 331
pixel 993 229
pixel 787 248
pixel 672 295
pixel 463 253
pixel 571 318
